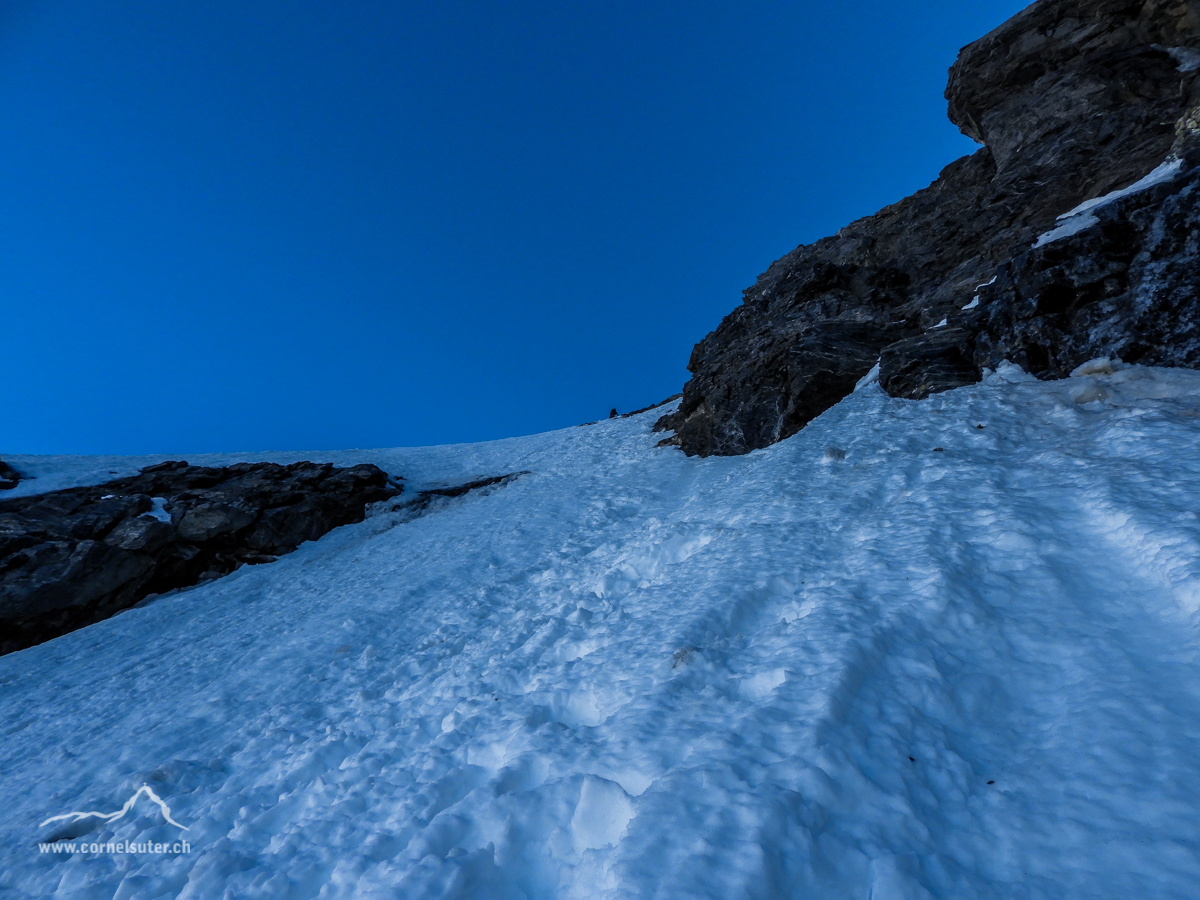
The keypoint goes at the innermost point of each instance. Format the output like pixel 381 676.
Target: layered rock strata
pixel 1072 100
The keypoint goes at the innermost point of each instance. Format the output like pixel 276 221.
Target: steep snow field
pixel 852 665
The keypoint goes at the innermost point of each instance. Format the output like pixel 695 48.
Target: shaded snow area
pixel 898 656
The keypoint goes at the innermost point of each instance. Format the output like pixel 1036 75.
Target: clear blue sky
pixel 260 225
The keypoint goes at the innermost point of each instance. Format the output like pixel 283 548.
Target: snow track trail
pixel 949 661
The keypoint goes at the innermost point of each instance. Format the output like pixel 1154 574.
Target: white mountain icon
pixel 144 789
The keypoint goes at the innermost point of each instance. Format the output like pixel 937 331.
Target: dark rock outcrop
pixel 1073 99
pixel 9 477
pixel 1126 287
pixel 73 557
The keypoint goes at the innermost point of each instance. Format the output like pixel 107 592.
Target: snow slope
pixel 852 665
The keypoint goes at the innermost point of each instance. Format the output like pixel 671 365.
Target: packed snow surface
pixel 936 649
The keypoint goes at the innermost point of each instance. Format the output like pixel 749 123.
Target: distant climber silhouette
pixel 613 414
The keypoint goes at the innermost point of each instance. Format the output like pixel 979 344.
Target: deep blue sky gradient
pixel 260 225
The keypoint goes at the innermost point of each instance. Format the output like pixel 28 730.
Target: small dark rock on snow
pixel 9 477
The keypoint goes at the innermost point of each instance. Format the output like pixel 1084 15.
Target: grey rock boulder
pixel 205 521
pixel 140 533
pixel 935 361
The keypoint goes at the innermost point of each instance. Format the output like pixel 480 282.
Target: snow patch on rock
pixel 1083 216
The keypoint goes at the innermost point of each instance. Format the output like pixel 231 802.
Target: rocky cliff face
pixel 73 557
pixel 1073 100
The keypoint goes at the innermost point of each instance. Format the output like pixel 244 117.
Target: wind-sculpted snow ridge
pixel 937 649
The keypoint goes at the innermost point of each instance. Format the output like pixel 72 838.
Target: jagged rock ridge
pixel 1072 100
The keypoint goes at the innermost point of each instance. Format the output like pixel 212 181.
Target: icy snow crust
pixel 630 674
